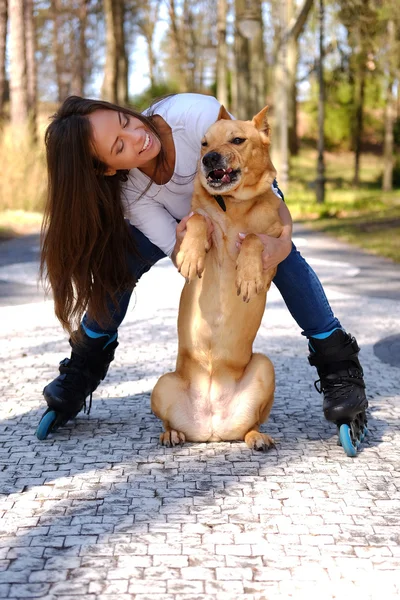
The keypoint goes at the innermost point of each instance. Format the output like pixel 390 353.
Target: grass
pixel 23 176
pixel 22 182
pixel 364 216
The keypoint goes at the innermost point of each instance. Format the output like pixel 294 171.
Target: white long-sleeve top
pixel 155 213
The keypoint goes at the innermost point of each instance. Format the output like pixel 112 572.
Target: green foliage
pixel 143 100
pixel 365 215
pixel 338 112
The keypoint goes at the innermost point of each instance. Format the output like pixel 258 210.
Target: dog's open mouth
pixel 222 177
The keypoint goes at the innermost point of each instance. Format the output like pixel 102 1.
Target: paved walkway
pixel 101 511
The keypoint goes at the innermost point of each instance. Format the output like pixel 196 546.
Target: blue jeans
pixel 297 282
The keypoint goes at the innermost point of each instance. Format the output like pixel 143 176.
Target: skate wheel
pixel 46 424
pixel 346 440
pixel 364 433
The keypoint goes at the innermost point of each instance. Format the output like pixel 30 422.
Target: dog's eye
pixel 204 143
pixel 238 141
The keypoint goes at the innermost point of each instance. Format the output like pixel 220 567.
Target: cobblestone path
pixel 100 511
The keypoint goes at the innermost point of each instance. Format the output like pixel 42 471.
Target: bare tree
pixel 284 72
pixel 30 41
pixel 179 43
pixel 390 109
pixel 109 90
pixel 190 44
pixel 59 46
pixel 115 82
pixel 222 53
pixel 122 57
pixel 249 58
pixel 257 63
pixel 78 43
pixel 320 181
pixel 3 36
pixel 18 80
pixel 146 20
pixel 296 27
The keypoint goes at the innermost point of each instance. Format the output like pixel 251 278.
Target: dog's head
pixel 235 156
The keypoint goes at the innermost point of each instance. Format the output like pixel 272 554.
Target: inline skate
pixel 342 384
pixel 79 376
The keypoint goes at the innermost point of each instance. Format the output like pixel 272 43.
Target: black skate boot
pixel 79 376
pixel 342 384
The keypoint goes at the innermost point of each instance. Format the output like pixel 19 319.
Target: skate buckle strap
pixel 348 352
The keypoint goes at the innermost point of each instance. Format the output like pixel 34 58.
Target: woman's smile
pixel 147 143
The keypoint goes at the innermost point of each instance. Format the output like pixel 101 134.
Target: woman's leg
pixel 332 351
pixel 94 345
pixel 149 255
pixel 304 296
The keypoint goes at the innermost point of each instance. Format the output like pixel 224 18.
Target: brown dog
pixel 220 389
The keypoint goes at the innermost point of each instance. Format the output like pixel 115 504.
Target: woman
pixel 119 181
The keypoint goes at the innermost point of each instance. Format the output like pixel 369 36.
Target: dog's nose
pixel 211 160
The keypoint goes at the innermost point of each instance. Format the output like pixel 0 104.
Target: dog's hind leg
pixel 256 440
pixel 258 386
pixel 169 396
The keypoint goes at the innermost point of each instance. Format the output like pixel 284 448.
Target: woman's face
pixel 122 141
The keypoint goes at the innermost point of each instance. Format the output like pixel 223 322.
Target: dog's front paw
pixel 190 261
pixel 249 281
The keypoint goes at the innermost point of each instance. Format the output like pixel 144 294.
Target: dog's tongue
pixel 226 178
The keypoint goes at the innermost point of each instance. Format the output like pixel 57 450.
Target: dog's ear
pixel 223 114
pixel 260 121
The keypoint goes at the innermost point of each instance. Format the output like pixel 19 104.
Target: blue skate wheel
pixel 346 440
pixel 46 425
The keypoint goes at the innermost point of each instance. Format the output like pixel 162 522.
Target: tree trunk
pixel 320 182
pixel 292 60
pixel 180 48
pixel 152 62
pixel 283 80
pixel 62 87
pixel 109 89
pixel 3 35
pixel 148 18
pixel 30 40
pixel 80 56
pixel 122 58
pixel 18 79
pixel 359 120
pixel 222 53
pixel 359 93
pixel 390 114
pixel 190 46
pixel 242 66
pixel 257 92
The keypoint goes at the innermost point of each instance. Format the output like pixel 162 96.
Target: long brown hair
pixel 85 238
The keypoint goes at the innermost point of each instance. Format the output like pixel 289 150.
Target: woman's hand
pixel 181 231
pixel 275 249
